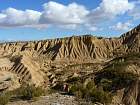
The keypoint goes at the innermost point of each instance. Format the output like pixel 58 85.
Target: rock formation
pixel 51 61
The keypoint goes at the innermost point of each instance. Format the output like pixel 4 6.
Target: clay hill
pixel 111 63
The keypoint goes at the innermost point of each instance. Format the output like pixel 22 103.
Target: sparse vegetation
pixel 30 91
pixel 114 76
pixel 25 92
pixel 73 79
pixel 91 92
pixel 99 95
pixel 90 85
pixel 4 98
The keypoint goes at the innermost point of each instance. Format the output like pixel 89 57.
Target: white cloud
pixel 121 26
pixel 116 7
pixel 59 14
pixel 68 26
pixel 71 16
pixel 135 12
pixel 63 16
pixel 38 26
pixel 109 9
pixel 12 17
pixel 93 28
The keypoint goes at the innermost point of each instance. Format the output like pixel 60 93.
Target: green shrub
pixel 90 85
pixel 73 89
pixel 115 76
pixel 73 79
pixel 90 92
pixel 115 79
pixel 106 84
pixel 98 95
pixel 4 98
pixel 30 91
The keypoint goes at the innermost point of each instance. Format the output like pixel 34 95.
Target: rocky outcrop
pixel 28 70
pixel 131 41
pixel 78 47
pixel 24 67
pixel 72 48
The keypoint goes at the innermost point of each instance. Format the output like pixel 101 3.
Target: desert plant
pixel 30 91
pixel 74 88
pixel 90 85
pixel 98 95
pixel 73 79
pixel 91 92
pixel 4 98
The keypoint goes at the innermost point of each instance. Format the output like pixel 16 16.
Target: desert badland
pixel 91 67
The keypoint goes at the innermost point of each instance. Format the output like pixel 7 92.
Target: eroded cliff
pixel 51 62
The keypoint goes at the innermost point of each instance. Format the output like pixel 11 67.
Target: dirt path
pixel 53 99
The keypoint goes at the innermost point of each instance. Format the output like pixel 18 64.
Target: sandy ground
pixel 52 99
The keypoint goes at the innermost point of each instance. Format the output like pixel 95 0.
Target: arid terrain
pixel 94 69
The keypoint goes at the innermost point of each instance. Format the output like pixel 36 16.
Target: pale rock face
pixel 5 63
pixel 73 48
pixel 8 81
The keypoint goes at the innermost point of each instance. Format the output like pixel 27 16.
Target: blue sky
pixel 43 19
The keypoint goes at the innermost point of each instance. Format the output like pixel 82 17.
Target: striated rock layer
pixel 72 48
pixel 78 47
